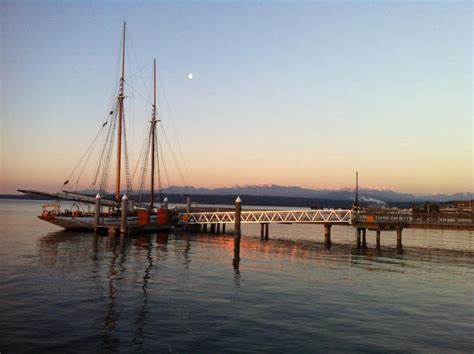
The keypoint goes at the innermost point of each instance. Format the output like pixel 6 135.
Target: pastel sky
pixel 290 93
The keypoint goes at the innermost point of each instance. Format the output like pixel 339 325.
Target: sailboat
pixel 82 218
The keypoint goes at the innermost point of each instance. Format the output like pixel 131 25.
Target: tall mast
pixel 120 118
pixel 153 129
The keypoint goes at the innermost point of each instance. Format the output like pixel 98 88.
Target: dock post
pixel 165 203
pixel 218 229
pixel 358 232
pixel 213 228
pixel 327 235
pixel 123 219
pixel 267 230
pixel 364 237
pixel 204 228
pixel 262 232
pixel 238 210
pixel 399 238
pixel 377 239
pixel 223 229
pixel 188 203
pixel 97 212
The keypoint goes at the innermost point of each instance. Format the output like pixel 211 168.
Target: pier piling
pixel 364 237
pixel 218 229
pixel 223 229
pixel 123 219
pixel 377 238
pixel 188 203
pixel 238 210
pixel 97 212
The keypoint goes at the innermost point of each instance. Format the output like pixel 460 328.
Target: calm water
pixel 180 292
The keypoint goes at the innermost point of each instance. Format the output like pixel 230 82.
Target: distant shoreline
pixel 252 200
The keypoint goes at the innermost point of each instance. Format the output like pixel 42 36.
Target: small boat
pixel 80 216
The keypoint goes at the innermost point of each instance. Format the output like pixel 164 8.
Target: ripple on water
pixel 191 293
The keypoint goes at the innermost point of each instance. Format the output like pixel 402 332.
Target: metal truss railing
pixel 334 216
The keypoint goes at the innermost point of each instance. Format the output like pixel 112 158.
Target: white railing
pixel 333 216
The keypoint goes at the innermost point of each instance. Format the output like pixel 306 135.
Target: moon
pixel 190 76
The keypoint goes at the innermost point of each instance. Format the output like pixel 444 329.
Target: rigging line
pixel 86 163
pixel 85 153
pixel 97 140
pixel 165 96
pixel 127 161
pixel 165 170
pixel 160 194
pixel 130 40
pixel 144 166
pixel 108 156
pixel 139 93
pixel 140 156
pixel 140 70
pixel 178 167
pixel 105 143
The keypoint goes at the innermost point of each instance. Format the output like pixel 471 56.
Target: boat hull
pixel 86 223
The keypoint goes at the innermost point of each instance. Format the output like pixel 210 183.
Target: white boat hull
pixel 87 222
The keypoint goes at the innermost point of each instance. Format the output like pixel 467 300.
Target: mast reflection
pixel 146 243
pixel 111 341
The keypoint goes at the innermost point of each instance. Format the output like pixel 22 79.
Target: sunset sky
pixel 288 92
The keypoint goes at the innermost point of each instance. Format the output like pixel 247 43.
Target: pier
pixel 361 220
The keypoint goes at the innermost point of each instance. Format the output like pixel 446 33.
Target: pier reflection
pixel 133 275
pixel 68 250
pixel 236 262
pixel 144 242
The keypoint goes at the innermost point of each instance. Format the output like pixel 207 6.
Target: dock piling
pixel 364 237
pixel 377 238
pixel 238 210
pixel 188 203
pixel 97 212
pixel 123 219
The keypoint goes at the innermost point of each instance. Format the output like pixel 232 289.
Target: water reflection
pixel 145 243
pixel 236 262
pixel 111 341
pixel 127 270
pixel 65 249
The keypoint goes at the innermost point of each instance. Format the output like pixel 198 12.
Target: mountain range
pixel 272 190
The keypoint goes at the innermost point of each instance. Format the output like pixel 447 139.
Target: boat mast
pixel 153 129
pixel 120 119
